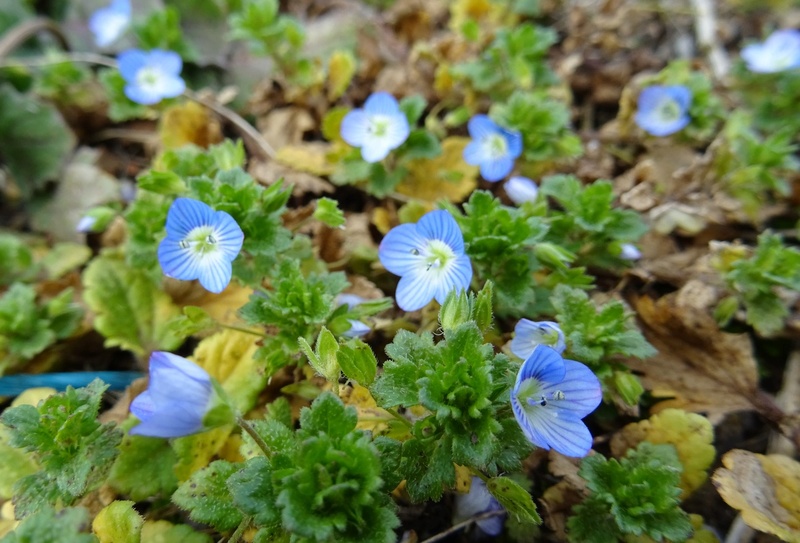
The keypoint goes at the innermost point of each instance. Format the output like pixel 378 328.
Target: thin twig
pixel 247 427
pixel 24 31
pixel 705 25
pixel 456 527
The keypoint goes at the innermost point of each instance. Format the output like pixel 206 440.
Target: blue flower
pixel 357 328
pixel 779 52
pixel 521 190
pixel 477 502
pixel 429 258
pixel 151 76
pixel 529 334
pixel 377 128
pixel 550 397
pixel 493 148
pixel 629 251
pixel 201 244
pixel 108 23
pixel 177 399
pixel 663 110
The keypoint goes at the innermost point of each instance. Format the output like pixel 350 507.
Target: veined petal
pixel 186 214
pixel 415 290
pixel 375 150
pixel 529 334
pixel 168 62
pixel 441 225
pixel 178 262
pixel 580 388
pixel 228 234
pixel 171 86
pixel 397 132
pixel 544 364
pixel 481 126
pixel 382 103
pixel 514 142
pixel 400 249
pixel 142 406
pixel 474 153
pixel 357 329
pixel 355 128
pixel 559 430
pixel 456 276
pixel 496 169
pixel 215 272
pixel 166 427
pixel 162 361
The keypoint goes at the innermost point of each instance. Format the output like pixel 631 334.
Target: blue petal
pixel 495 170
pixel 215 273
pixel 168 62
pixel 228 233
pixel 398 131
pixel 186 214
pixel 521 189
pixel 375 150
pixel 140 95
pixel 355 128
pixel 441 225
pixel 107 24
pixel 382 103
pixel 458 277
pixel 474 153
pixel 350 300
pixel 130 62
pixel 171 86
pixel 544 364
pixel 415 290
pixel 177 262
pixel 357 329
pixel 529 334
pixel 481 126
pixel 514 142
pixel 561 431
pixel 650 98
pixel 163 363
pixel 396 251
pixel 656 126
pixel 682 96
pixel 581 388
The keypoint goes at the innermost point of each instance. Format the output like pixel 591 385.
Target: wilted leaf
pixel 691 434
pixel 188 123
pixel 766 489
pixel 118 523
pixel 446 176
pixel 700 367
pixel 307 157
pixel 341 69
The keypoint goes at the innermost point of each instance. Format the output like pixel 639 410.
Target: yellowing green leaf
pixel 16 462
pixel 162 531
pixel 309 157
pixel 766 489
pixel 130 310
pixel 446 176
pixel 118 522
pixel 188 123
pixel 691 434
pixel 341 69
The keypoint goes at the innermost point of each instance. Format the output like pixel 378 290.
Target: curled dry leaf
pixel 766 489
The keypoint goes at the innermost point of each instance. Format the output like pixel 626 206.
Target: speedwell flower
pixel 151 76
pixel 357 328
pixel 177 399
pixel 429 258
pixel 550 397
pixel 528 334
pixel 521 190
pixel 108 23
pixel 377 128
pixel 629 251
pixel 663 110
pixel 201 244
pixel 779 52
pixel 477 502
pixel 493 147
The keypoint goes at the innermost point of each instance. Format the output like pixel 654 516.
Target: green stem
pixel 401 418
pixel 247 427
pixel 243 330
pixel 243 526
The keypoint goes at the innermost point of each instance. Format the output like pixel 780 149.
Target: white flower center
pixel 201 240
pixel 149 78
pixel 669 110
pixel 495 146
pixel 436 255
pixel 530 394
pixel 379 125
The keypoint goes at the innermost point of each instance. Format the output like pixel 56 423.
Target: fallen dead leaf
pixel 766 489
pixel 187 123
pixel 446 176
pixel 302 182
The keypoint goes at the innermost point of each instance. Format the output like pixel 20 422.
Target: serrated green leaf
pixel 207 498
pixel 515 499
pixel 47 525
pixel 144 468
pixel 253 493
pixel 131 311
pixel 328 212
pixel 358 362
pixel 428 469
pixel 328 415
pixel 118 522
pixel 168 183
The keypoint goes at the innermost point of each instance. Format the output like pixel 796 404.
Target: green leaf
pixel 413 106
pixel 34 140
pixel 515 499
pixel 47 525
pixel 131 312
pixel 162 30
pixel 323 359
pixel 428 469
pixel 207 498
pixel 118 522
pixel 16 260
pixel 358 362
pixel 420 144
pixel 74 450
pixel 144 468
pixel 398 382
pixel 328 415
pixel 253 492
pixel 120 107
pixel 168 183
pixel 328 212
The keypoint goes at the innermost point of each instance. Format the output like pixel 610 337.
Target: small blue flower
pixel 86 224
pixel 663 110
pixel 779 52
pixel 201 244
pixel 377 128
pixel 357 328
pixel 629 251
pixel 550 397
pixel 529 334
pixel 151 76
pixel 477 502
pixel 177 399
pixel 108 23
pixel 493 148
pixel 429 258
pixel 521 190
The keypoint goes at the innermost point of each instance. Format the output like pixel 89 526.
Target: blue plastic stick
pixel 14 385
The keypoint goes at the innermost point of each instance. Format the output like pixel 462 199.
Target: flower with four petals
pixel 108 23
pixel 493 148
pixel 377 128
pixel 151 76
pixel 779 52
pixel 663 109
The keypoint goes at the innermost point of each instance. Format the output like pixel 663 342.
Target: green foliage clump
pixel 46 525
pixel 16 260
pixel 162 30
pixel 638 495
pixel 28 327
pixel 756 278
pixel 74 450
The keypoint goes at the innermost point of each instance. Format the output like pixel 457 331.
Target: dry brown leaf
pixel 286 126
pixel 446 176
pixel 702 368
pixel 188 123
pixel 766 489
pixel 302 182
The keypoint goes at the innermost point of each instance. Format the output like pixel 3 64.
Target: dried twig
pixel 705 24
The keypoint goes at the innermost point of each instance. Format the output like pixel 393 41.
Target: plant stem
pixel 456 527
pixel 247 427
pixel 243 330
pixel 401 418
pixel 237 535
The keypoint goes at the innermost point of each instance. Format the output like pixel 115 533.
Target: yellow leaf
pixel 691 435
pixel 446 176
pixel 307 157
pixel 188 123
pixel 766 489
pixel 463 478
pixel 118 522
pixel 341 69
